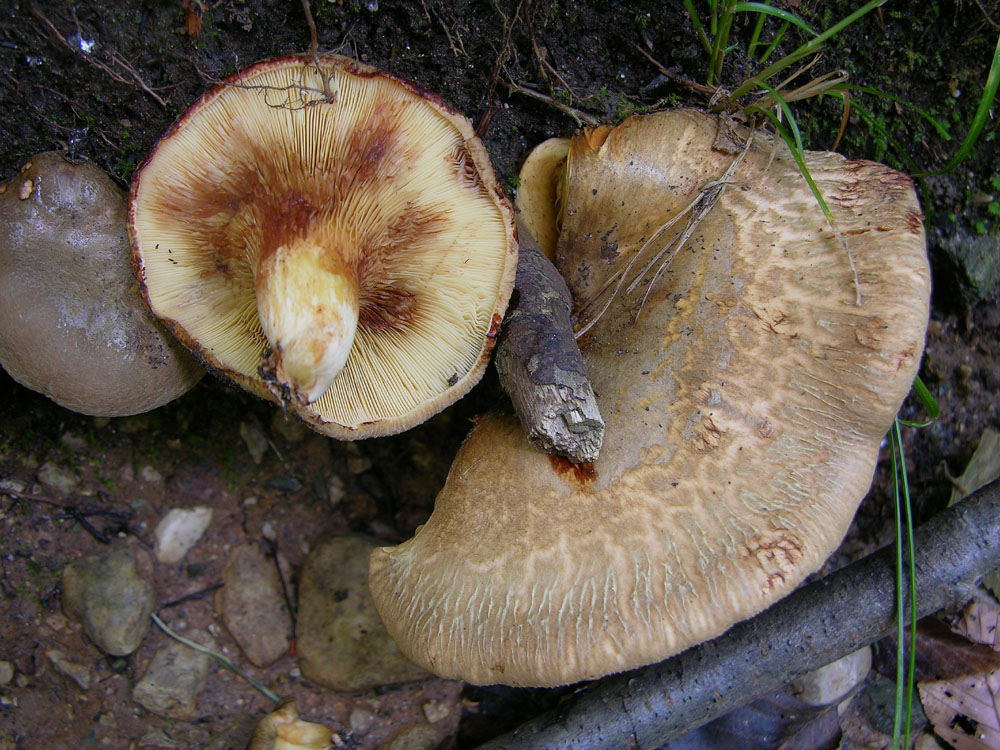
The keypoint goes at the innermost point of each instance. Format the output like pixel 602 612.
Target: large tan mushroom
pixel 745 393
pixel 349 255
pixel 73 325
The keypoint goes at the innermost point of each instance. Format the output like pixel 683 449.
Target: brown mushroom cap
pixel 73 325
pixel 745 400
pixel 351 258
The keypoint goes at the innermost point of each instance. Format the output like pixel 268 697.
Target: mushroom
pixel 745 393
pixel 282 729
pixel 349 256
pixel 73 325
pixel 537 200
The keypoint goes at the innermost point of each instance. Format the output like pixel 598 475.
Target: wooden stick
pixel 540 365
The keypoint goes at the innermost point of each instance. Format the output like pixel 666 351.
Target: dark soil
pixel 102 80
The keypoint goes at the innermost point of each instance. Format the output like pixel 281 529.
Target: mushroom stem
pixel 307 302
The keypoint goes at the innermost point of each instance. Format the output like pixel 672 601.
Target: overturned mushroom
pixel 347 256
pixel 745 394
pixel 73 325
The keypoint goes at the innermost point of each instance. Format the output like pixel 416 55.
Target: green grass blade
pixel 897 720
pixel 757 28
pixel 787 111
pixel 981 118
pixel 696 22
pixel 927 400
pixel 875 126
pixel 808 48
pixel 940 127
pixel 804 170
pixel 225 661
pixel 720 42
pixel 769 50
pixel 778 13
pixel 912 570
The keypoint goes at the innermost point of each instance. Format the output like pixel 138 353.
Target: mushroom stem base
pixel 307 302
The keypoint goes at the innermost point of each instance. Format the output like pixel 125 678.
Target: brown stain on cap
pixel 584 473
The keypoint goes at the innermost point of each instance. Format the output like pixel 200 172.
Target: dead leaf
pixel 942 654
pixel 965 713
pixel 979 623
pixel 983 468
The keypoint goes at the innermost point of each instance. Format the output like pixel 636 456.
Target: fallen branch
pixel 814 626
pixel 540 365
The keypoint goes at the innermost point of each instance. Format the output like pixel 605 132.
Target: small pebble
pixel 179 530
pixel 57 478
pixel 175 677
pixel 436 711
pixel 13 485
pixel 149 474
pixel 286 483
pixel 73 442
pixel 416 737
pixel 255 440
pixel 76 672
pixel 252 605
pixel 292 430
pixel 832 682
pixel 106 593
pixel 335 489
pixel 361 719
pixel 6 672
pixel 335 607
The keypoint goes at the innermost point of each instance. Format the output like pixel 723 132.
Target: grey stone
pixel 416 737
pixel 291 429
pixel 179 530
pixel 57 478
pixel 252 605
pixel 255 439
pixel 974 260
pixel 341 642
pixel 76 672
pixel 110 598
pixel 833 682
pixel 175 677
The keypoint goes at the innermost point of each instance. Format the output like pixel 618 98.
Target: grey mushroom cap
pixel 73 325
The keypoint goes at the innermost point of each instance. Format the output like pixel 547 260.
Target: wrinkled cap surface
pixel 73 325
pixel 386 186
pixel 745 396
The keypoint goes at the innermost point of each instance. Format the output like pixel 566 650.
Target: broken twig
pixel 540 365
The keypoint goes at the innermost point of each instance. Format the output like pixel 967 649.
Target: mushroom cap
pixel 745 400
pixel 73 325
pixel 388 195
pixel 537 202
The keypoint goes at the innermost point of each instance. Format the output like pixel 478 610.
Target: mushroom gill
pixel 745 394
pixel 349 257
